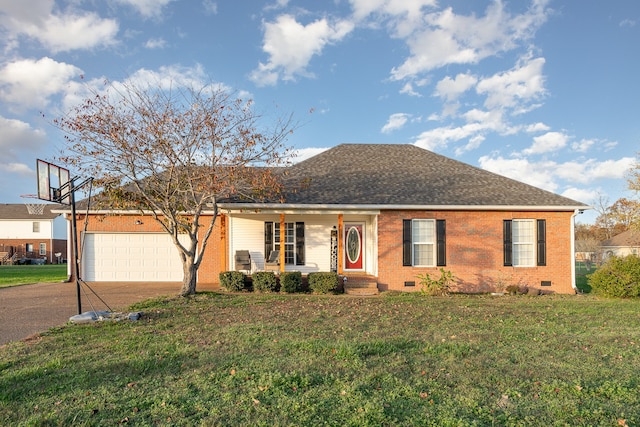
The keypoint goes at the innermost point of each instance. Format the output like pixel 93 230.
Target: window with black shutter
pixel 542 242
pixel 424 242
pixel 524 242
pixel 294 247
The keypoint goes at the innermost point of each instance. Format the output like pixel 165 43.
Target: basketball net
pixel 33 207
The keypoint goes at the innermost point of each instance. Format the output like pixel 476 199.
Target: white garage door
pixel 138 257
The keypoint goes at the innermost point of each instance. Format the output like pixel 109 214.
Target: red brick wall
pixel 19 246
pixel 211 264
pixel 474 242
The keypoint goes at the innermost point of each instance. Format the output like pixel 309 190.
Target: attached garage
pixel 130 257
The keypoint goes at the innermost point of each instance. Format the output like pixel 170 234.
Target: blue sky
pixel 542 91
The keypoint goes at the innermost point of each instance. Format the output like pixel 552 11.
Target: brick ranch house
pixel 387 212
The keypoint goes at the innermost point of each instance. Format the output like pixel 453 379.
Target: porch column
pixel 340 242
pixel 282 245
pixel 223 243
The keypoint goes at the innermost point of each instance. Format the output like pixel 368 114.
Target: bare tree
pixel 633 180
pixel 174 153
pixel 604 219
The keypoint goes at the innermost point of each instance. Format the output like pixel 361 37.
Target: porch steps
pixel 361 285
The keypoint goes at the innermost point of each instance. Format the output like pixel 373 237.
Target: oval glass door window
pixel 353 245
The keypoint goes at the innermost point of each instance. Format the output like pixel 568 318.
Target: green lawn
pixel 11 275
pixel 582 281
pixel 305 360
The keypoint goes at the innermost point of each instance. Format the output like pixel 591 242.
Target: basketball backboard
pixel 53 182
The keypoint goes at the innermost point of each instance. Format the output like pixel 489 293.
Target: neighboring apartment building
pixel 32 237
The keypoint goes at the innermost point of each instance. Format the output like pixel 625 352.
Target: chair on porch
pixel 243 260
pixel 273 263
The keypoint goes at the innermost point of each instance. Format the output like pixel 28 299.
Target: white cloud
pixel 306 153
pixel 30 83
pixel 478 122
pixel 450 89
pixel 16 136
pixel 549 174
pixel 170 76
pixel 147 8
pixel 210 7
pixel 550 141
pixel 440 137
pixel 615 169
pixel 521 84
pixel 156 43
pixel 474 143
pixel 396 121
pixel 56 31
pixel 291 46
pixel 447 38
pixel 19 169
pixel 628 23
pixel 405 16
pixel 583 145
pixel 536 127
pixel 166 77
pixel 538 174
pixel 408 88
pixel 584 195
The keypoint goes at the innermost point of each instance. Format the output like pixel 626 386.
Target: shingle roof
pixel 19 211
pixel 393 174
pixel 626 238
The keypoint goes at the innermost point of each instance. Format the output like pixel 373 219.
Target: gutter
pixel 283 207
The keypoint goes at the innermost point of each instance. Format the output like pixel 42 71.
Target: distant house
pixel 388 212
pixel 26 237
pixel 623 244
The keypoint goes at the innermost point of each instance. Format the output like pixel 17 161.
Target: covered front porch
pixel 344 242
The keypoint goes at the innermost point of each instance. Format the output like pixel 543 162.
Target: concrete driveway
pixel 29 309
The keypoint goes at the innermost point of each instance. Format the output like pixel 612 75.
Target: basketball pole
pixel 74 232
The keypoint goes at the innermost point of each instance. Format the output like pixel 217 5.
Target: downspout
pixel 69 254
pixel 573 249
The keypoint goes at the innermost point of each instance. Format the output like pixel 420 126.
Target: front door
pixel 354 246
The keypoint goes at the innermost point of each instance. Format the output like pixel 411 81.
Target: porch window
pixel 525 242
pixel 43 249
pixel 29 247
pixel 424 242
pixel 293 244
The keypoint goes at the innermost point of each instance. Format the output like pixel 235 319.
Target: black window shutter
pixel 299 243
pixel 441 242
pixel 508 243
pixel 268 239
pixel 542 242
pixel 406 243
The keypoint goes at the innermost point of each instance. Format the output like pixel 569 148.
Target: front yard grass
pixel 276 360
pixel 11 275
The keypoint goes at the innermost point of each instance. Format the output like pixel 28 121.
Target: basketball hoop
pixel 33 207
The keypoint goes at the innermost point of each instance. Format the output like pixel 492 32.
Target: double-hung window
pixel 525 242
pixel 293 245
pixel 423 242
pixel 43 249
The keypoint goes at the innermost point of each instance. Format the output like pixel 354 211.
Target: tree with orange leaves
pixel 174 153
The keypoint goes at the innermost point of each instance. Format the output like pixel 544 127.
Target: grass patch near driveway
pixel 11 275
pixel 280 360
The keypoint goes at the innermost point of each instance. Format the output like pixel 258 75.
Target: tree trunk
pixel 190 274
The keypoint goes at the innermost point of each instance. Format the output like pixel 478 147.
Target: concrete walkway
pixel 29 309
